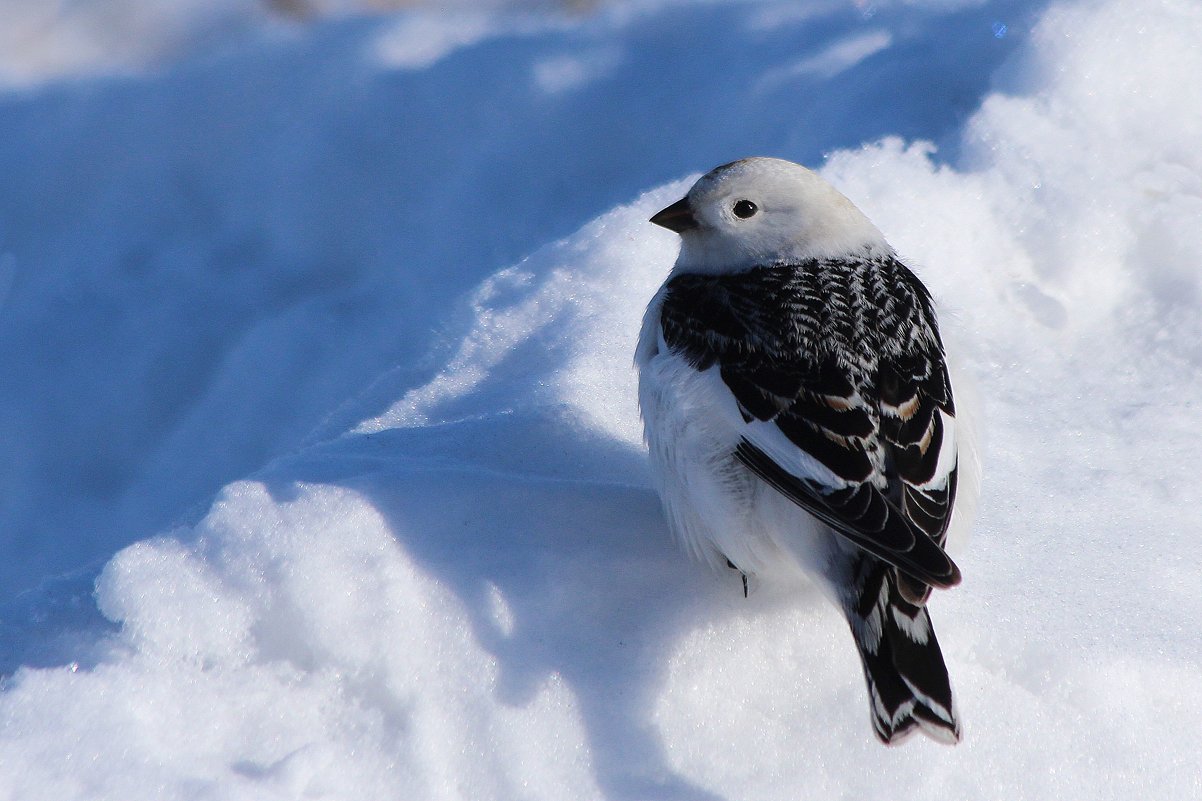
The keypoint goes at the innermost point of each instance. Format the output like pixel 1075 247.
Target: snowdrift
pixel 462 586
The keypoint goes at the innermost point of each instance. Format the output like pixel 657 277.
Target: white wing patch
pixel 766 436
pixel 946 462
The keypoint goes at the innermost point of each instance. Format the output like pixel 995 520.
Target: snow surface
pixel 449 579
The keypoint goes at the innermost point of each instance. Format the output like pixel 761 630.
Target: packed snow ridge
pixel 460 584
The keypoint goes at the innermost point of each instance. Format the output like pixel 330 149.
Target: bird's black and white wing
pixel 838 372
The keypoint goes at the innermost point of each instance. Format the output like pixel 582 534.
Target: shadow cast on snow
pixel 568 533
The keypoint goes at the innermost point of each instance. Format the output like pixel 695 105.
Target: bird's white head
pixel 759 211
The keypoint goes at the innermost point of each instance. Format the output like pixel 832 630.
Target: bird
pixel 798 412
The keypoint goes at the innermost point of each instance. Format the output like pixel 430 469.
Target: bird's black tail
pixel 908 687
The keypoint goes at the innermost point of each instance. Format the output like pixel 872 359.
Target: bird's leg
pixel 732 566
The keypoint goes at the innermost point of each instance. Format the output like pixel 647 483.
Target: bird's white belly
pixel 717 509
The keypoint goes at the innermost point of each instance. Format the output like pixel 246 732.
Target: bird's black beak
pixel 678 217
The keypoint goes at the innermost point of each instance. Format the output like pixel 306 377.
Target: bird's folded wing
pixel 863 515
pixel 866 446
pixel 874 460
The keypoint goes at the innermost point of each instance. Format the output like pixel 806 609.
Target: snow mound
pixel 469 592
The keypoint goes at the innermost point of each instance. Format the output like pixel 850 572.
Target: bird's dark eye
pixel 744 209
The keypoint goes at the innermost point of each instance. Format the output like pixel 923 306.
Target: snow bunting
pixel 799 415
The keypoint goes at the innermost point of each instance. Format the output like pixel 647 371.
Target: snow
pixel 324 472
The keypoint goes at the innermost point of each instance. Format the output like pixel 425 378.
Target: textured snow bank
pixel 294 650
pixel 471 594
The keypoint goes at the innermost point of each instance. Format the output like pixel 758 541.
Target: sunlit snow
pixel 323 463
